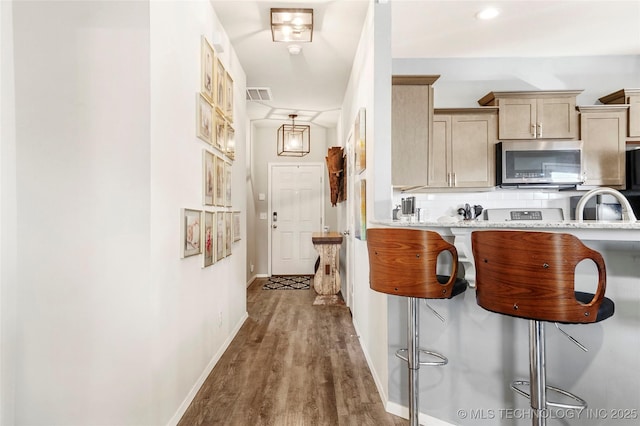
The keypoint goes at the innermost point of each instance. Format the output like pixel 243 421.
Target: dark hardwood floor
pixel 291 363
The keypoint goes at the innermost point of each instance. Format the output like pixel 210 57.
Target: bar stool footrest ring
pixel 442 359
pixel 582 404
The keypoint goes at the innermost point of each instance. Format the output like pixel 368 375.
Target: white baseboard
pixel 424 419
pixel 251 280
pixel 255 277
pixel 214 360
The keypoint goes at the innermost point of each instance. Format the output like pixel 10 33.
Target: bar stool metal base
pixel 537 375
pixel 442 359
pixel 581 403
pixel 413 358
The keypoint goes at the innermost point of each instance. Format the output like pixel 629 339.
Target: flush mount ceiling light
pixel 292 24
pixel 293 139
pixel 488 13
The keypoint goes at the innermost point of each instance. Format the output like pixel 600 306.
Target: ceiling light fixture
pixel 292 24
pixel 294 139
pixel 488 13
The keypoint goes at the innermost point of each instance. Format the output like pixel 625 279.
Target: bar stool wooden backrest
pixel 403 262
pixel 532 275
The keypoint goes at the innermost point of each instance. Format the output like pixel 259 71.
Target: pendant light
pixel 294 139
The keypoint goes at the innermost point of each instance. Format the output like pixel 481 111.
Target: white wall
pixel 111 326
pixel 263 152
pixel 370 87
pixel 8 217
pixel 83 261
pixel 196 311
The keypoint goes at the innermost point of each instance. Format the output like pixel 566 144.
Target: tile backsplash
pixel 437 204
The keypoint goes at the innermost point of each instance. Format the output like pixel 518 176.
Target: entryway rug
pixel 288 282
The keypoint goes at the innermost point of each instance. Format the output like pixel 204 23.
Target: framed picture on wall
pixel 227 184
pixel 220 136
pixel 360 135
pixel 219 245
pixel 208 238
pixel 208 177
pixel 206 64
pixel 219 189
pixel 190 232
pixel 204 118
pixel 220 81
pixel 231 142
pixel 228 97
pixel 236 226
pixel 228 232
pixel 360 213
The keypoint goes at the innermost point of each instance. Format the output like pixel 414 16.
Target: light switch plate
pixel 263 215
pixel 261 197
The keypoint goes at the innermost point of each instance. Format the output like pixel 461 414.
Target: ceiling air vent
pixel 258 94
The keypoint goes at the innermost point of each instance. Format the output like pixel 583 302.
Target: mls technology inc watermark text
pixel 611 414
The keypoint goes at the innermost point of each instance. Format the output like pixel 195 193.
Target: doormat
pixel 288 282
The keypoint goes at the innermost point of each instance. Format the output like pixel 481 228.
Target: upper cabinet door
pixel 557 118
pixel 411 121
pixel 517 118
pixel 535 114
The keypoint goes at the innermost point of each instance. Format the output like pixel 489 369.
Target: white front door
pixel 296 212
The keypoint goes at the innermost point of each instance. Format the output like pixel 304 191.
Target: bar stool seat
pixel 403 262
pixel 531 275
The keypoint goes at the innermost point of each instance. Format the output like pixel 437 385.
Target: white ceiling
pixel 313 83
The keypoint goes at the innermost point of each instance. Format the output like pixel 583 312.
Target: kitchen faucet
pixel 627 211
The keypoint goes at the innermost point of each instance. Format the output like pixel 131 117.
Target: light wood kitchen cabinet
pixel 412 118
pixel 629 97
pixel 535 114
pixel 603 132
pixel 461 150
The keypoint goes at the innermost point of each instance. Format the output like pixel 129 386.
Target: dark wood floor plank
pixel 291 363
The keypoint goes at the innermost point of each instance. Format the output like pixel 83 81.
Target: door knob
pixel 274 226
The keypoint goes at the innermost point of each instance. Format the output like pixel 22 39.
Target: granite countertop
pixel 571 224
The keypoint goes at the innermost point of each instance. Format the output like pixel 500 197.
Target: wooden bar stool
pixel 403 262
pixel 531 275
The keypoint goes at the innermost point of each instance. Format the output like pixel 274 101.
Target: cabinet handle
pixel 539 130
pixel 453 180
pixel 533 130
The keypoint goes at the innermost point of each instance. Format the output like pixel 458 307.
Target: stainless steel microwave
pixel 551 163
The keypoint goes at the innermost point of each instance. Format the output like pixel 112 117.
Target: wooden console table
pixel 327 278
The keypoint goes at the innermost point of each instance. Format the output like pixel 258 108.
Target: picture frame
pixel 360 206
pixel 204 119
pixel 230 142
pixel 220 81
pixel 360 138
pixel 236 226
pixel 220 243
pixel 228 97
pixel 208 238
pixel 228 172
pixel 219 189
pixel 190 233
pixel 228 233
pixel 220 137
pixel 206 65
pixel 208 177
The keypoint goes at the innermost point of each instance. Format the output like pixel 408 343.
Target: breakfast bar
pixel 618 234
